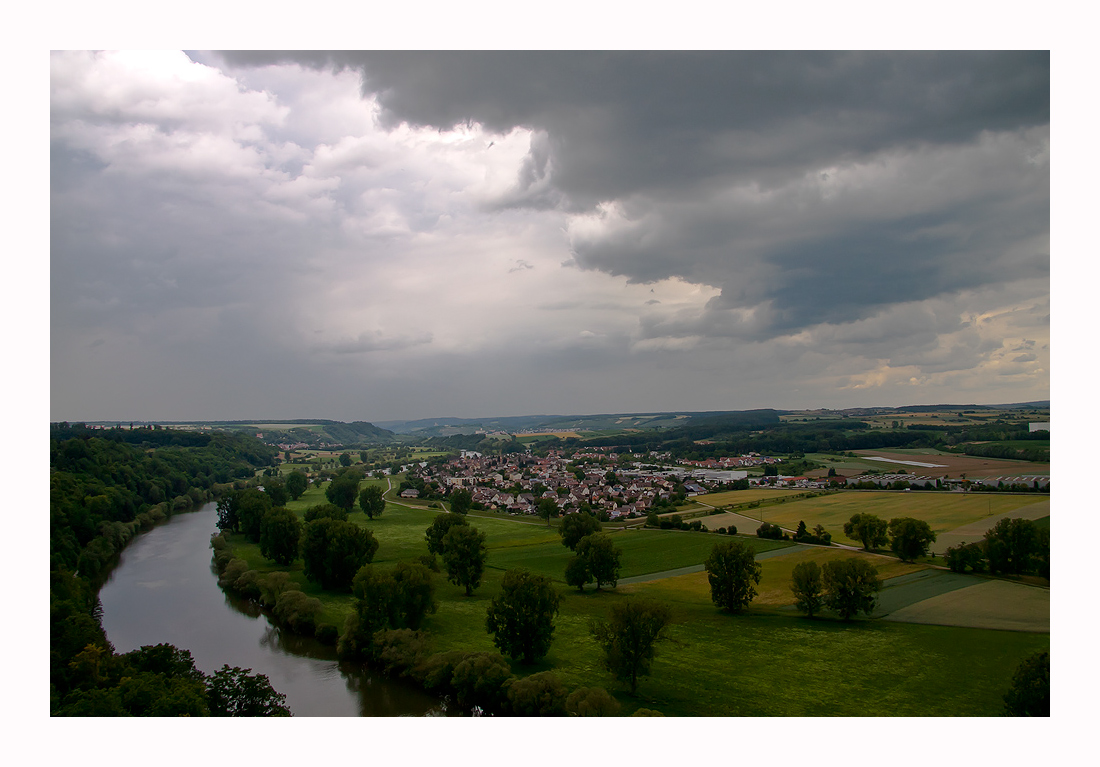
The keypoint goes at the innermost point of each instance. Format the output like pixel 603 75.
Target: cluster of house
pixel 738 462
pixel 517 483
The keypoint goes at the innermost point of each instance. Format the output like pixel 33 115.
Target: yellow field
pixel 942 511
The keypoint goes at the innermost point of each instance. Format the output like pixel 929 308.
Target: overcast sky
pixel 402 235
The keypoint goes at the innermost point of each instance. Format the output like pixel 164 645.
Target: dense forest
pixel 106 486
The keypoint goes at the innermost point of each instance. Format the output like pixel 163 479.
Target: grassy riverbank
pixel 767 661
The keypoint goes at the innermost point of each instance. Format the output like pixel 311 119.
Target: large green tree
pixel 344 490
pixel 867 529
pixel 808 588
pixel 629 638
pixel 333 551
pixel 547 509
pixel 280 531
pixel 733 573
pixel 602 557
pixel 521 617
pixel 439 528
pixel 296 484
pixel 461 501
pixel 1015 546
pixel 1030 693
pixel 910 538
pixel 573 527
pixel 372 501
pixel 464 555
pixel 851 586
pixel 234 691
pixel 252 505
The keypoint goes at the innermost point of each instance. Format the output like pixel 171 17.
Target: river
pixel 164 589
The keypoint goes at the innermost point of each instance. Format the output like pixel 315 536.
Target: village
pixel 607 483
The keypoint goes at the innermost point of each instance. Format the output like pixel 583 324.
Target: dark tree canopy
pixel 733 573
pixel 333 551
pixel 602 557
pixel 326 511
pixel 344 490
pixel 628 639
pixel 547 509
pixel 521 617
pixel 577 572
pixel 280 530
pixel 910 538
pixel 851 586
pixel 296 484
pixel 276 491
pixel 461 501
pixel 372 501
pixel 1016 546
pixel 252 505
pixel 233 691
pixel 541 694
pixel 464 555
pixel 867 529
pixel 576 526
pixel 397 598
pixel 1030 693
pixel 808 588
pixel 439 528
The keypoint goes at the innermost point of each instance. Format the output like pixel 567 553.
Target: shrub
pixel 541 694
pixel 328 634
pixel 591 701
pixel 478 680
pixel 647 712
pixel 298 611
pixel 768 530
pixel 398 651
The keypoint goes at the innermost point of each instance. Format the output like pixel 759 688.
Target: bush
pixel 399 651
pixel 591 701
pixel 768 530
pixel 298 611
pixel 647 712
pixel 966 556
pixel 478 680
pixel 541 694
pixel 328 634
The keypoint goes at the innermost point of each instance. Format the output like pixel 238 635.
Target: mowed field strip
pixel 988 605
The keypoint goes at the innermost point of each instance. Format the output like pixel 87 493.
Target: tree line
pixel 106 486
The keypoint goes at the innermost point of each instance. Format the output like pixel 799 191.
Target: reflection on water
pixel 164 590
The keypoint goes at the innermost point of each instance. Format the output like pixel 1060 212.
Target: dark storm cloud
pixel 621 122
pixel 810 187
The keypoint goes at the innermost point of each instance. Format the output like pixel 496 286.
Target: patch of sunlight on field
pixel 942 511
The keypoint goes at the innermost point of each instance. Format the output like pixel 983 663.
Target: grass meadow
pixel 768 661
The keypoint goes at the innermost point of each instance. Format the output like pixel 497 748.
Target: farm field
pixel 990 604
pixel 973 467
pixel 943 512
pixel 767 661
pixel 736 497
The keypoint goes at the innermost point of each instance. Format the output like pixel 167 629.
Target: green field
pixel 767 661
pixel 942 511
